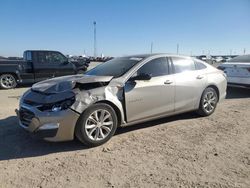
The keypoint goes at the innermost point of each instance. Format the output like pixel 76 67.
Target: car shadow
pixel 20 86
pixel 186 116
pixel 16 143
pixel 234 93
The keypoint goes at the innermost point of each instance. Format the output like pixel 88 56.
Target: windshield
pixel 241 59
pixel 115 67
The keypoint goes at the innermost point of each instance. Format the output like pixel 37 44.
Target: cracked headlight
pixel 57 106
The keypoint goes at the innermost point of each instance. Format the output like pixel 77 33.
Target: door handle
pixel 168 82
pixel 199 77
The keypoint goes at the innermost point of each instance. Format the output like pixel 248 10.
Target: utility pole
pixel 151 48
pixel 94 38
pixel 244 51
pixel 177 49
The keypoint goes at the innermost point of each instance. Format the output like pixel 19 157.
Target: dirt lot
pixel 181 151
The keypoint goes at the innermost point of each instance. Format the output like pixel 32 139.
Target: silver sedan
pixel 123 91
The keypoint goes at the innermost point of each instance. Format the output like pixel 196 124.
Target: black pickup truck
pixel 37 65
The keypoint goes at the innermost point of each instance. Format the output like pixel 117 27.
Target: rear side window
pixel 155 67
pixel 199 65
pixel 183 64
pixel 42 57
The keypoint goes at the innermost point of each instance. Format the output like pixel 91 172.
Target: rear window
pixel 27 55
pixel 241 59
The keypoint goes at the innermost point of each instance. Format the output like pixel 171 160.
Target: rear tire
pixel 96 125
pixel 208 102
pixel 8 81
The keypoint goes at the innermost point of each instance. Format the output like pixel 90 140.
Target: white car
pixel 219 59
pixel 238 71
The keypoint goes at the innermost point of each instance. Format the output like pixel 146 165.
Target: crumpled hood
pixel 66 83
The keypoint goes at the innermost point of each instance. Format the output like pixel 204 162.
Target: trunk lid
pixel 236 69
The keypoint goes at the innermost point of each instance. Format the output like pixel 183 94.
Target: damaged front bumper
pixel 51 126
pixel 51 108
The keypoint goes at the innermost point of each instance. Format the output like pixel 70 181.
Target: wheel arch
pixel 12 73
pixel 215 88
pixel 211 86
pixel 117 110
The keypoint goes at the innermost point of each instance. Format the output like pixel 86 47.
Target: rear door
pixel 149 98
pixel 189 83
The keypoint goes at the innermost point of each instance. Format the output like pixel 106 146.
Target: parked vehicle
pixel 202 57
pixel 36 66
pixel 2 58
pixel 238 71
pixel 120 92
pixel 227 59
pixel 207 58
pixel 218 59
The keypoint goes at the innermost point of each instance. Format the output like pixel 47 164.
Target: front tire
pixel 208 102
pixel 96 125
pixel 8 81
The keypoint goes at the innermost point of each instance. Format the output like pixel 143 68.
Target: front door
pixel 44 68
pixel 64 67
pixel 149 98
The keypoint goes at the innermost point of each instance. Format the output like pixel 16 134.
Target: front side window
pixel 56 57
pixel 50 57
pixel 154 68
pixel 183 65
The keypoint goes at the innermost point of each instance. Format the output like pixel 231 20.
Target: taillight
pixel 221 68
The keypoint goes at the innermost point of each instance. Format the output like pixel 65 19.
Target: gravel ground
pixel 180 151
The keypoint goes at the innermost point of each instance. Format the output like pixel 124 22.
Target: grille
pixel 26 116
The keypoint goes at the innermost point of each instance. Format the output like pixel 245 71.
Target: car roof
pixel 41 51
pixel 144 56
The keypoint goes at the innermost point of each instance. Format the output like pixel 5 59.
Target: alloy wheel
pixel 99 125
pixel 209 102
pixel 8 81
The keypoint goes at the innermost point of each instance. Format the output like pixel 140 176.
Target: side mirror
pixel 142 77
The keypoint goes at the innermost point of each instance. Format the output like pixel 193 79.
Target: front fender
pixel 110 94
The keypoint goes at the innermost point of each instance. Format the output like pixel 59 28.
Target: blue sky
pixel 125 26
